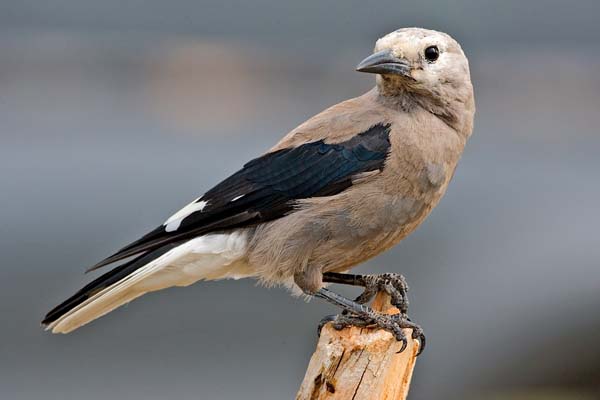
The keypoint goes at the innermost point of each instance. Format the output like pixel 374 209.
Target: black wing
pixel 267 187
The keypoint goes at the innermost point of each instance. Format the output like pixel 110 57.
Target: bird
pixel 339 189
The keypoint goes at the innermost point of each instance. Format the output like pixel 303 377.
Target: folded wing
pixel 267 188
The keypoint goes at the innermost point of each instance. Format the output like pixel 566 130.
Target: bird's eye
pixel 432 53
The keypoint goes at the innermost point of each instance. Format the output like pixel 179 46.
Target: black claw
pixel 395 325
pixel 404 344
pixel 422 343
pixel 418 334
pixel 325 320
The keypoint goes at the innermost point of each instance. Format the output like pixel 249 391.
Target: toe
pixel 402 338
pixel 422 343
pixel 326 319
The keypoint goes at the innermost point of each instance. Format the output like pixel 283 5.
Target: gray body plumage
pixel 338 232
pixel 427 112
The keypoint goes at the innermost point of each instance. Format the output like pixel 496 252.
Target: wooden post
pixel 360 363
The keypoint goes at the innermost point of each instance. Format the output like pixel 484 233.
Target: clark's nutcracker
pixel 339 189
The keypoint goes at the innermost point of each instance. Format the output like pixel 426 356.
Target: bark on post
pixel 359 363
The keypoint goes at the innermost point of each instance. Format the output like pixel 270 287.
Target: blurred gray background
pixel 116 113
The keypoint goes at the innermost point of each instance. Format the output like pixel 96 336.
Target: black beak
pixel 384 62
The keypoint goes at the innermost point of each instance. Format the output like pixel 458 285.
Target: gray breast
pixel 433 176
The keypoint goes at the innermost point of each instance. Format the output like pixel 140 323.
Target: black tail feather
pixel 102 282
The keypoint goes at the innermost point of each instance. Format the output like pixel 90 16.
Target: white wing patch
pixel 172 224
pixel 237 197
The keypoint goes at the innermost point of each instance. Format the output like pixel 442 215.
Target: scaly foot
pixel 357 314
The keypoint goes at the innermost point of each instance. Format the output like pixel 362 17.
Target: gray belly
pixel 352 240
pixel 338 233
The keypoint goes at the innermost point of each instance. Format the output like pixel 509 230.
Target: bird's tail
pixel 214 256
pixel 104 294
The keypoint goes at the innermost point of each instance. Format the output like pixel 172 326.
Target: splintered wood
pixel 360 363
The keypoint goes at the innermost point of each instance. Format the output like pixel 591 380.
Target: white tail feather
pixel 206 257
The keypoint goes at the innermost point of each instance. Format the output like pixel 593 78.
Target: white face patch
pixel 237 197
pixel 172 224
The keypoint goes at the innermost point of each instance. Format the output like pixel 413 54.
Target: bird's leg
pixel 393 284
pixel 362 315
pixel 390 283
pixel 356 313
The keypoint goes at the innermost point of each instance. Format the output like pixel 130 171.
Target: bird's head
pixel 428 65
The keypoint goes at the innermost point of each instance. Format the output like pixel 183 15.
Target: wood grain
pixel 360 363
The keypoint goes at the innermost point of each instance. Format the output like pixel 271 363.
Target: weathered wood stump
pixel 360 363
